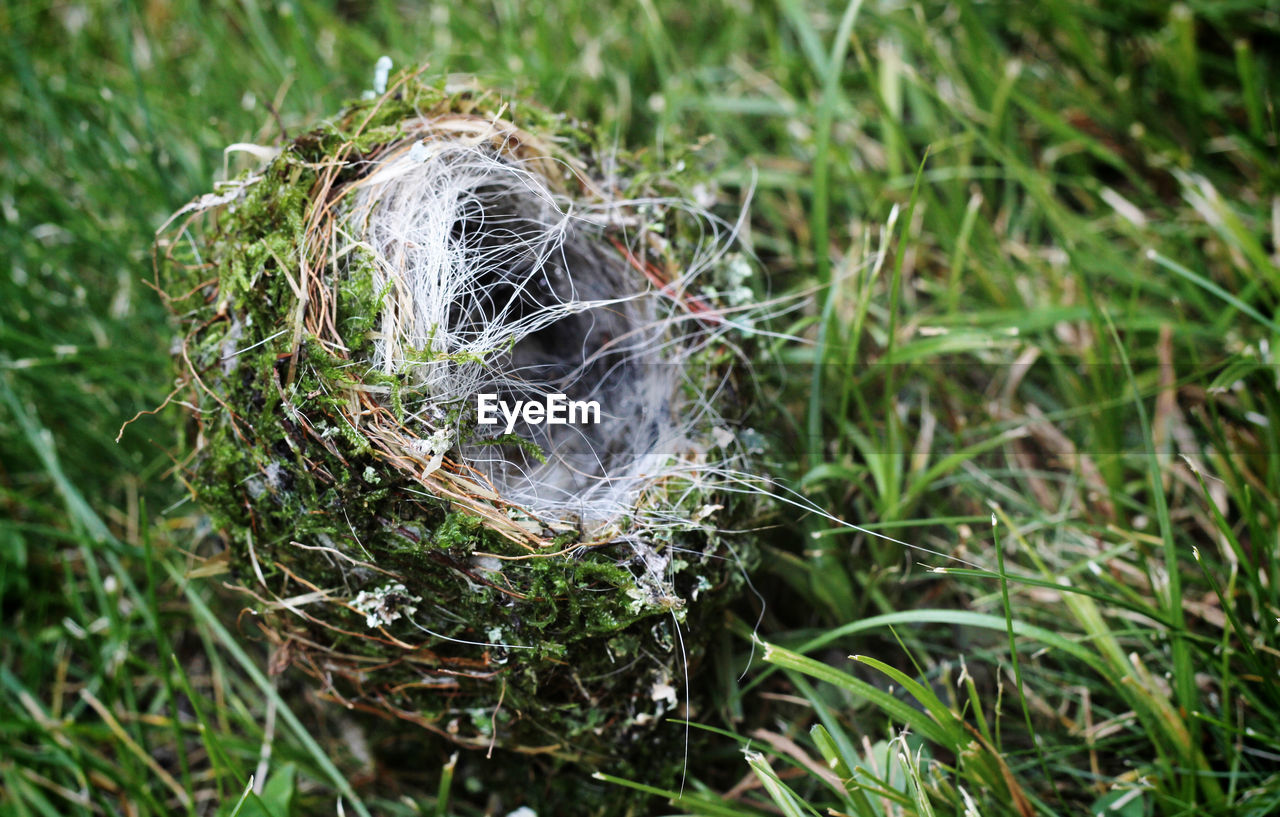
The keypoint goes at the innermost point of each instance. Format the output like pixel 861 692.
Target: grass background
pixel 1042 351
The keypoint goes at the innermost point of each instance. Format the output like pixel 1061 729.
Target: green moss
pixel 458 533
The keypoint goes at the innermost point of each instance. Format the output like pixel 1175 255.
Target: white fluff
pixel 495 282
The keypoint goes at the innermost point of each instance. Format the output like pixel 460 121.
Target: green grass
pixel 1044 241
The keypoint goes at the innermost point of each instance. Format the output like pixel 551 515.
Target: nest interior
pixel 543 591
pixel 498 283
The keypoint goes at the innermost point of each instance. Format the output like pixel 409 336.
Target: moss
pixel 555 637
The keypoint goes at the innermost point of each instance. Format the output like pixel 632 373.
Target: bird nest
pixel 354 313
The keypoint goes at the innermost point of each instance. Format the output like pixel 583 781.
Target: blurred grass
pixel 1045 357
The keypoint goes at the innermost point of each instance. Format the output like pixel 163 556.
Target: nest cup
pixel 539 587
